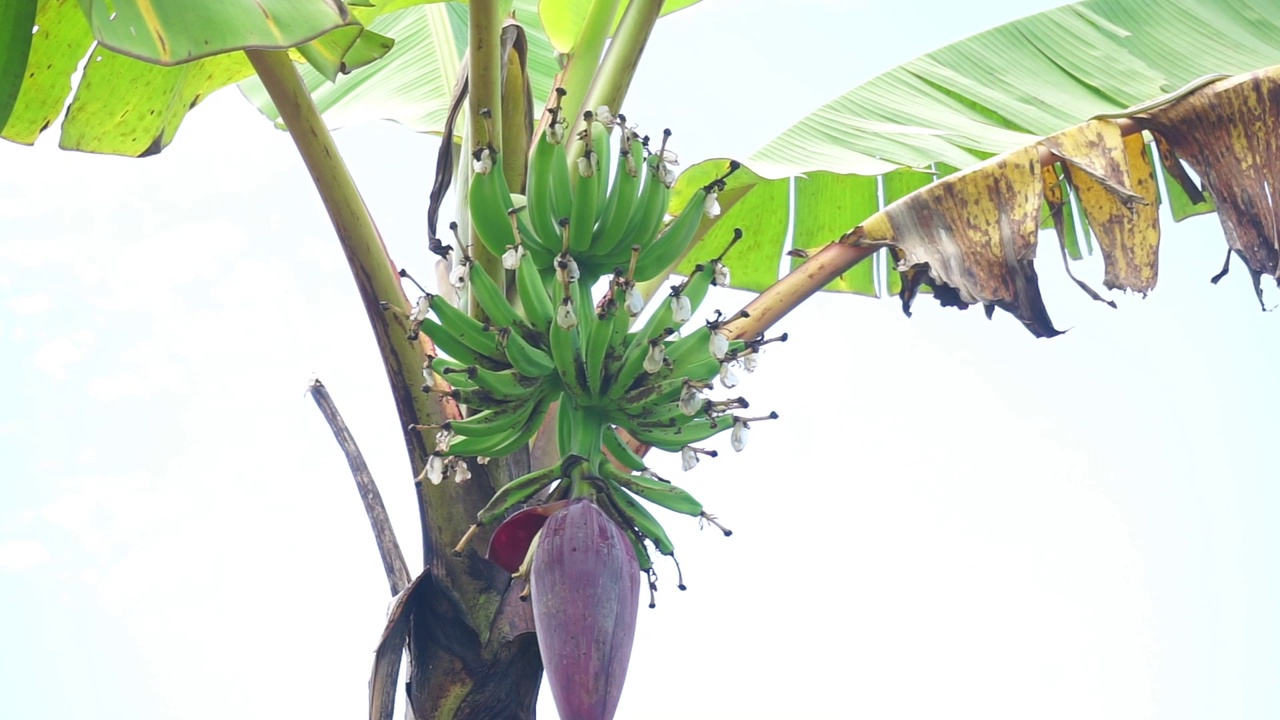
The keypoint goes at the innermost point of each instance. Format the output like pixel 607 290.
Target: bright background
pixel 951 519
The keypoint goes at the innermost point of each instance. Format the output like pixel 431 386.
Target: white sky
pixel 951 519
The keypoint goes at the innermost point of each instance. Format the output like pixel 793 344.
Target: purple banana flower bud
pixel 585 587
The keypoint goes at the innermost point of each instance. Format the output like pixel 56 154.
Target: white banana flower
pixel 719 345
pixel 435 469
pixel 727 378
pixel 566 317
pixel 653 361
pixel 711 206
pixel 511 258
pixel 681 309
pixel 688 458
pixel 461 473
pixel 738 436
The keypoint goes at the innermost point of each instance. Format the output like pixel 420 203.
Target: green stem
pixel 609 88
pixel 584 60
pixel 375 275
pixel 448 509
pixel 485 93
pixel 485 73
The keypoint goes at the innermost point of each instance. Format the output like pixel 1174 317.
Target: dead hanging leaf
pixel 386 662
pixel 1173 165
pixel 1055 198
pixel 1096 148
pixel 1128 233
pixel 975 231
pixel 1229 133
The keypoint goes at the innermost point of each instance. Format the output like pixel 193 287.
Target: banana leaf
pixel 145 65
pixel 978 101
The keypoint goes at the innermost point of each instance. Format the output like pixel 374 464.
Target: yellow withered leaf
pixel 1229 133
pixel 1128 233
pixel 975 231
pixel 1055 198
pixel 1096 148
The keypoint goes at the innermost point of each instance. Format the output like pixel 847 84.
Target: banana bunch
pixel 554 340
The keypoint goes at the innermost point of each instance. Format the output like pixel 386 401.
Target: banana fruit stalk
pixel 590 228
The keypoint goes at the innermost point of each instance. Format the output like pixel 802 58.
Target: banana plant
pixel 557 348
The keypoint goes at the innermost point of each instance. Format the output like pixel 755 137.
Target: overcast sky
pixel 951 519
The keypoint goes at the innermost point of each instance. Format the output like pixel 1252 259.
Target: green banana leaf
pixel 146 64
pixel 414 84
pixel 993 92
pixel 562 19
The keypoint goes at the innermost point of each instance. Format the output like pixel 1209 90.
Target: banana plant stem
pixel 378 281
pixel 609 88
pixel 584 63
pixel 797 286
pixel 485 94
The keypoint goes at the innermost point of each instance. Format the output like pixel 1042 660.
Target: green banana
pixel 533 296
pixel 630 367
pixel 662 494
pixel 564 426
pixel 588 328
pixel 546 163
pixel 496 421
pixel 502 445
pixel 622 452
pixel 651 205
pixel 565 351
pixel 597 345
pixel 459 377
pixel 610 507
pixel 543 253
pixel 468 330
pixel 525 358
pixel 655 415
pixel 452 345
pixel 516 492
pixel 690 348
pixel 450 370
pixel 509 384
pixel 622 198
pixel 494 302
pixel 582 212
pixel 603 158
pixel 479 398
pixel 696 368
pixel 674 438
pixel 654 393
pixel 667 247
pixel 489 200
pixel 640 517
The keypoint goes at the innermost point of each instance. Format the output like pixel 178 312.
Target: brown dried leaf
pixel 1056 200
pixel 1176 170
pixel 1229 133
pixel 386 660
pixel 976 233
pixel 1128 233
pixel 1096 148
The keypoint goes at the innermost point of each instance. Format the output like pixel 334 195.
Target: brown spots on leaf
pixel 1128 233
pixel 1173 165
pixel 1227 132
pixel 1055 198
pixel 975 233
pixel 1096 149
pixel 970 238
